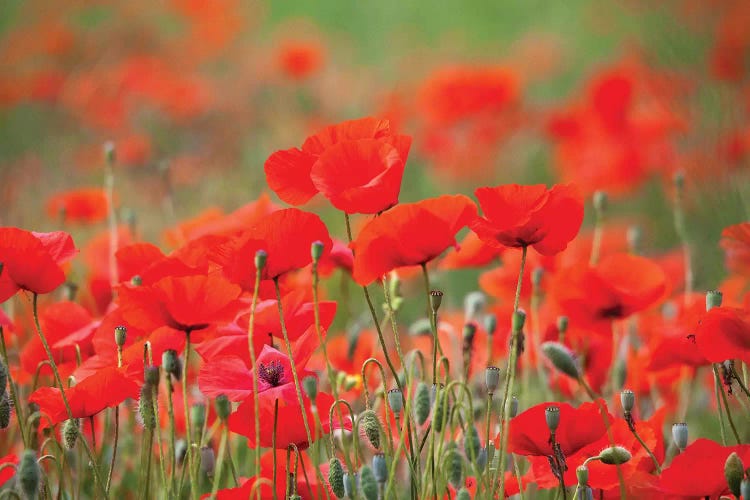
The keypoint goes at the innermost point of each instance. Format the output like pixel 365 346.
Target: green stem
pixel 220 463
pixel 648 450
pixel 13 394
pixel 273 443
pixel 720 388
pixel 189 454
pixel 172 436
pixel 253 366
pixel 717 392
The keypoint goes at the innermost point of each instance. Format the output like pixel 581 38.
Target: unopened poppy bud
pixel 151 375
pixel 552 417
pixel 614 455
pixel 582 474
pixel 519 318
pixel 627 399
pixel 490 324
pixel 482 459
pixel 745 488
pixel 208 460
pixel 440 411
pixel 635 239
pixel 146 407
pixel 513 407
pixel 601 203
pixel 536 277
pixel 336 476
pixel 261 256
pixel 3 377
pixel 561 358
pixel 29 474
pixel 474 304
pixel 223 407
pixel 350 485
pixel 170 361
pixel 70 431
pixel 436 298
pixel 463 494
pixel 453 467
pixel 367 483
pixel 5 411
pixel 713 299
pixel 680 435
pixel 121 335
pixel 396 401
pixel 316 250
pixel 472 443
pixel 380 468
pixel 562 325
pixel 369 424
pixel 422 403
pixel 310 386
pixel 734 471
pixel 198 416
pixel 492 379
pixel 136 280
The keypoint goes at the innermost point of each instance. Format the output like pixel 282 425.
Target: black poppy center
pixel 272 373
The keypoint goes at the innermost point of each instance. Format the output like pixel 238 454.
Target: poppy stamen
pixel 272 373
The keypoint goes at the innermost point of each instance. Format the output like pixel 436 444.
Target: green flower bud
pixel 367 483
pixel 136 280
pixel 380 468
pixel 562 324
pixel 310 386
pixel 440 411
pixel 223 407
pixel 472 443
pixel 561 357
pixel 627 399
pixel 198 416
pixel 146 407
pixel 422 403
pixel 615 455
pixel 490 324
pixel 316 250
pixel 492 379
pixel 151 375
pixel 519 318
pixel 261 256
pixel 336 476
pixel 121 335
pixel 680 435
pixel 369 425
pixel 582 473
pixel 453 467
pixel 350 485
pixel 552 417
pixel 29 474
pixel 713 299
pixel 513 406
pixel 482 459
pixel 734 472
pixel 396 401
pixel 170 362
pixel 70 431
pixel 436 298
pixel 536 277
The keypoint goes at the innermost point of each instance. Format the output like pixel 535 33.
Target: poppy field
pixel 353 250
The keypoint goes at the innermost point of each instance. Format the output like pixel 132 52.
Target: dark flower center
pixel 615 311
pixel 272 373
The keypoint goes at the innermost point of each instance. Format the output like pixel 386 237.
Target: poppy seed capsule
pixel 170 361
pixel 370 426
pixel 680 435
pixel 151 375
pixel 582 474
pixel 492 379
pixel 536 276
pixel 121 335
pixel 561 358
pixel 208 460
pixel 29 474
pixel 513 407
pixel 552 417
pixel 336 476
pixel 396 401
pixel 463 494
pixel 350 485
pixel 734 471
pixel 562 324
pixel 136 280
pixel 490 324
pixel 380 468
pixel 316 250
pixel 436 298
pixel 627 399
pixel 474 304
pixel 310 386
pixel 70 432
pixel 614 455
pixel 198 416
pixel 261 256
pixel 482 459
pixel 367 483
pixel 223 407
pixel 745 488
pixel 519 319
pixel 713 299
pixel 422 403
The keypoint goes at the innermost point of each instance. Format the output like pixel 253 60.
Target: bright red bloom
pixel 108 387
pixel 724 333
pixel 356 164
pixel 431 226
pixel 735 240
pixel 80 205
pixel 31 261
pixel 471 252
pixel 518 216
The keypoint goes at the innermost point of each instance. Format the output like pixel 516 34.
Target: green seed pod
pixel 614 455
pixel 513 406
pixel 561 358
pixel 151 375
pixel 170 362
pixel 110 153
pixel 350 485
pixel 146 407
pixel 121 335
pixel 436 298
pixel 396 401
pixel 5 411
pixel 223 407
pixel 463 494
pixel 490 324
pixel 552 416
pixel 336 476
pixel 519 319
pixel 474 304
pixel 369 425
pixel 453 467
pixel 482 459
pixel 440 411
pixel 29 474
pixel 734 471
pixel 310 386
pixel 422 403
pixel 3 377
pixel 70 431
pixel 261 256
pixel 136 280
pixel 316 250
pixel 713 299
pixel 601 201
pixel 627 399
pixel 680 435
pixel 562 324
pixel 380 468
pixel 208 460
pixel 472 443
pixel 492 379
pixel 367 483
pixel 198 416
pixel 582 473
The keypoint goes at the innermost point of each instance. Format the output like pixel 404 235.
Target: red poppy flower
pixel 299 60
pixel 699 470
pixel 31 261
pixel 735 240
pixel 517 216
pixel 108 387
pixel 471 252
pixel 724 333
pixel 81 205
pixel 356 164
pixel 431 226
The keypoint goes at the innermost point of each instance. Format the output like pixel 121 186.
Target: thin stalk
pixel 718 391
pixel 117 428
pixel 254 368
pixel 273 443
pixel 12 386
pixel 172 436
pixel 648 450
pixel 109 186
pixel 220 463
pixel 189 457
pixel 720 388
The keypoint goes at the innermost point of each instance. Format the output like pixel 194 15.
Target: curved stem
pixel 13 394
pixel 254 368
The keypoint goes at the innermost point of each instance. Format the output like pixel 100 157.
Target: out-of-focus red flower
pixel 735 241
pixel 471 252
pixel 357 165
pixel 431 226
pixel 300 59
pixel 31 261
pixel 80 205
pixel 724 333
pixel 106 388
pixel 7 472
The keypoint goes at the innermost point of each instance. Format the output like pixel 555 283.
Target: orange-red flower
pixel 299 60
pixel 79 205
pixel 724 333
pixel 735 240
pixel 409 234
pixel 519 216
pixel 357 165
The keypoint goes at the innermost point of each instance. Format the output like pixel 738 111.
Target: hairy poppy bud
pixel 492 379
pixel 472 443
pixel 582 474
pixel 5 411
pixel 713 299
pixel 396 401
pixel 513 406
pixel 680 435
pixel 316 250
pixel 519 319
pixel 561 358
pixel 350 485
pixel 463 494
pixel 70 431
pixel 601 203
pixel 370 427
pixel 208 460
pixel 627 399
pixel 367 483
pixel 745 488
pixel 336 476
pixel 170 361
pixel 474 304
pixel 261 256
pixel 614 455
pixel 151 375
pixel 552 417
pixel 3 378
pixel 380 468
pixel 121 335
pixel 436 298
pixel 146 407
pixel 482 459
pixel 29 474
pixel 198 417
pixel 310 386
pixel 734 471
pixel 223 407
pixel 440 410
pixel 136 280
pixel 422 403
pixel 453 467
pixel 490 324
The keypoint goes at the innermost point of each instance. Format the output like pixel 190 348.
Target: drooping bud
pixel 552 417
pixel 713 299
pixel 261 256
pixel 627 399
pixel 440 410
pixel 474 304
pixel 519 318
pixel 601 203
pixel 614 455
pixel 310 386
pixel 734 471
pixel 380 468
pixel 146 407
pixel 396 401
pixel 369 423
pixel 170 361
pixel 336 476
pixel 680 435
pixel 350 485
pixel 453 467
pixel 29 474
pixel 582 474
pixel 5 411
pixel 223 407
pixel 513 406
pixel 561 357
pixel 490 324
pixel 151 375
pixel 422 403
pixel 492 379
pixel 316 250
pixel 70 431
pixel 472 443
pixel 121 335
pixel 367 483
pixel 562 327
pixel 436 298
